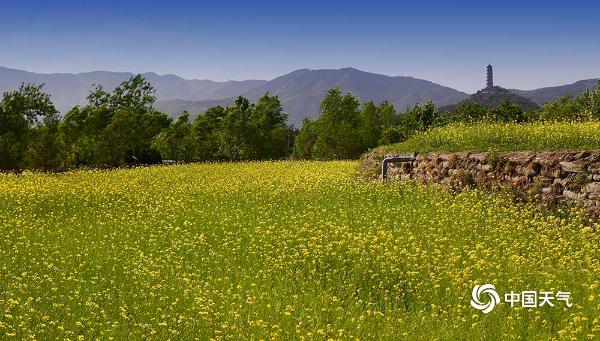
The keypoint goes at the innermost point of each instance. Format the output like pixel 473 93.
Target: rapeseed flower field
pixel 281 250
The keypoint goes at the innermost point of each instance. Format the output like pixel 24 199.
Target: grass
pixel 502 137
pixel 280 251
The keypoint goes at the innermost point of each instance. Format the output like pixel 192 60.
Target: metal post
pixel 393 159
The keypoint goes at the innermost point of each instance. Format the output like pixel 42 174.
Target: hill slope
pixel 492 98
pixel 500 137
pixel 301 91
pixel 176 106
pixel 544 95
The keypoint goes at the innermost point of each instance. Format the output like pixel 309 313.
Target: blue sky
pixel 530 43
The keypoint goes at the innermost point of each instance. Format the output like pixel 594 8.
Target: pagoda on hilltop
pixel 493 96
pixel 490 77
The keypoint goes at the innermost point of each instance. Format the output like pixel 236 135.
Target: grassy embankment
pixel 501 137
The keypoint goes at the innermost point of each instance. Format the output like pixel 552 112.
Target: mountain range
pixel 68 90
pixel 300 91
pixel 547 94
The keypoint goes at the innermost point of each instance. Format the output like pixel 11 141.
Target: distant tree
pixel 387 115
pixel 135 93
pixel 243 131
pixel 370 128
pixel 584 107
pixel 392 135
pixel 418 118
pixel 306 139
pixel 176 142
pixel 44 149
pixel 271 140
pixel 589 103
pixel 468 112
pixel 336 134
pixel 20 110
pixel 128 138
pixel 114 128
pixel 507 112
pixel 206 131
pixel 121 127
pixel 237 138
pixel 78 135
pixel 337 127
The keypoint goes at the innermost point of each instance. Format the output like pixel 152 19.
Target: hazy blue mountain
pixel 301 91
pixel 176 106
pixel 544 95
pixel 68 89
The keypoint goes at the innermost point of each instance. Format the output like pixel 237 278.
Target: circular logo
pixel 482 290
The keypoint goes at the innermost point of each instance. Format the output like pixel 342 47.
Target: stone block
pixel 573 166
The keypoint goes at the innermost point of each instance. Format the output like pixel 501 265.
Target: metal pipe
pixel 393 159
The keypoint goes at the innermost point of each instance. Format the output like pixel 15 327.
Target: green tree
pixel 387 115
pixel 306 139
pixel 272 136
pixel 338 127
pixel 236 138
pixel 20 110
pixel 469 112
pixel 418 118
pixel 589 103
pixel 336 133
pixel 176 141
pixel 206 132
pixel 370 128
pixel 115 128
pixel 78 134
pixel 392 135
pixel 44 150
pixel 135 93
pixel 506 112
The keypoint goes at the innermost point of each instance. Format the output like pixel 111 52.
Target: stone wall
pixel 546 177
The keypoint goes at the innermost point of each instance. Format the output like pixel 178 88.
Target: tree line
pixel 347 128
pixel 121 127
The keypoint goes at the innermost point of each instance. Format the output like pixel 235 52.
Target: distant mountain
pixel 301 91
pixel 68 89
pixel 544 95
pixel 493 97
pixel 176 106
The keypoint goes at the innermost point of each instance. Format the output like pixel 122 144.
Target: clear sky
pixel 530 43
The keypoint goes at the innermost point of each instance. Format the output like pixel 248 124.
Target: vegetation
pixel 502 137
pixel 473 125
pixel 280 250
pixel 121 128
pixel 27 119
pixel 346 129
pixel 493 98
